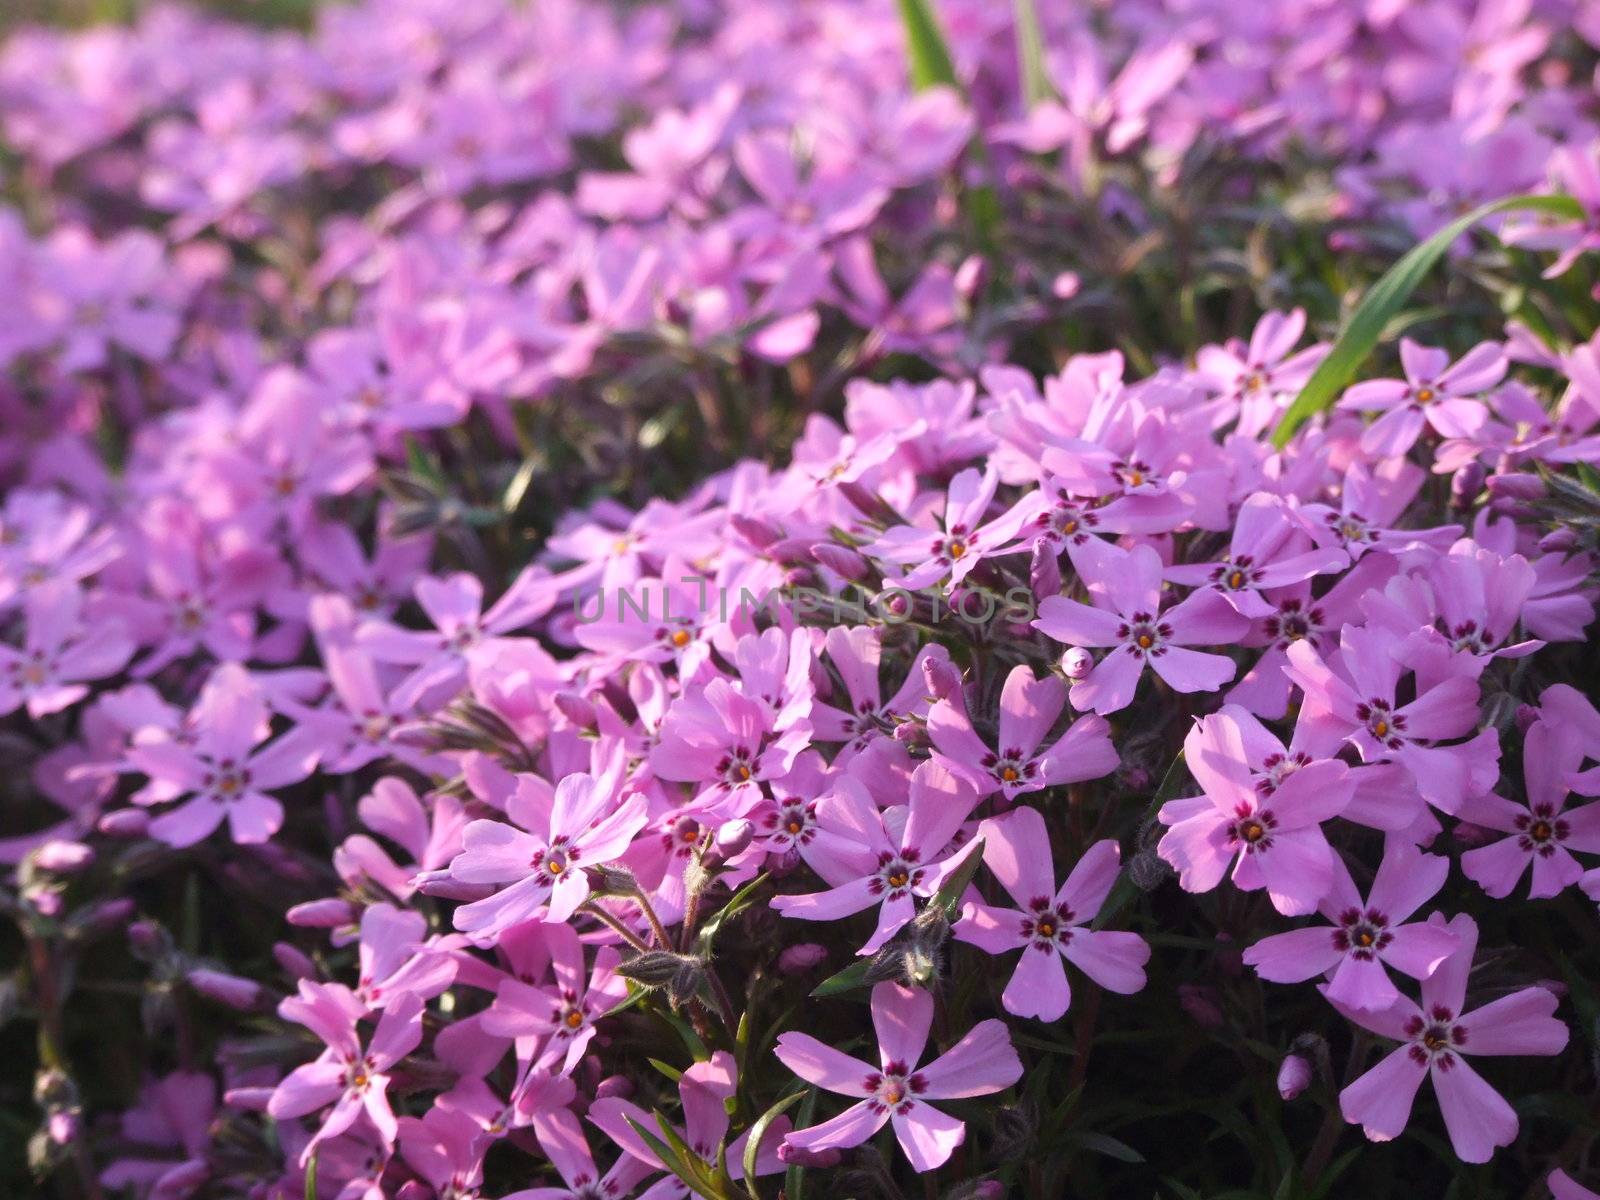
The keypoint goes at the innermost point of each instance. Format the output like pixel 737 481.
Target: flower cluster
pixel 561 563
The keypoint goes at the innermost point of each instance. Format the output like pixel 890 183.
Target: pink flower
pixel 962 541
pixel 1366 935
pixel 563 1016
pixel 1564 1187
pixel 1543 832
pixel 1259 378
pixel 1434 1037
pixel 1435 393
pixel 61 652
pixel 1268 825
pixel 578 825
pixel 884 857
pixel 897 1090
pixel 352 1078
pixel 1354 697
pixel 855 652
pixel 1126 588
pixel 1028 710
pixel 1049 924
pixel 1270 548
pixel 222 768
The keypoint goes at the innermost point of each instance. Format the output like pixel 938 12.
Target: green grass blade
pixel 1378 308
pixel 931 63
pixel 758 1133
pixel 1030 54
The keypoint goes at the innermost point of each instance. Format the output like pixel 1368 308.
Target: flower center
pixel 1144 634
pixel 893 1088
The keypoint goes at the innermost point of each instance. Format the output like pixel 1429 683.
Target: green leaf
pixel 1030 54
pixel 758 1131
pixel 931 63
pixel 794 1179
pixel 737 903
pixel 1367 323
pixel 1104 1143
pixel 677 1158
pixel 311 1179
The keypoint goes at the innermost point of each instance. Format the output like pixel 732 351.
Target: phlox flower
pixel 897 1090
pixel 352 1077
pixel 865 716
pixel 561 1138
pixel 1259 377
pixel 729 744
pixel 885 857
pixel 1544 832
pixel 1371 500
pixel 394 958
pixel 174 1114
pixel 1366 935
pixel 222 768
pixel 1028 710
pixel 542 857
pixel 61 652
pixel 1269 826
pixel 561 1016
pixel 430 835
pixel 1435 1037
pixel 1436 393
pixel 1127 615
pixel 1270 548
pixel 961 542
pixel 1050 925
pixel 1564 1187
pixel 1359 702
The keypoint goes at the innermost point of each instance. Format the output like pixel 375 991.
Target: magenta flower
pixel 578 825
pixel 1564 1187
pixel 962 541
pixel 1544 833
pixel 1576 169
pixel 1435 1036
pixel 351 1077
pixel 562 1016
pixel 222 768
pixel 881 861
pixel 1268 824
pixel 561 1138
pixel 897 1090
pixel 729 744
pixel 1028 710
pixel 61 652
pixel 1370 502
pixel 1260 378
pixel 1126 588
pixel 1367 935
pixel 1360 704
pixel 855 652
pixel 1049 924
pixel 1435 393
pixel 1271 548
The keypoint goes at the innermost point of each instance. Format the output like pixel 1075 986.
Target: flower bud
pixel 1294 1076
pixel 248 1099
pixel 242 994
pixel 1076 663
pixel 800 1156
pixel 329 913
pixel 758 533
pixel 1559 541
pixel 1466 484
pixel 611 881
pixel 1044 572
pixel 1516 486
pixel 1527 714
pixel 575 709
pixel 447 887
pixel 293 961
pixel 124 823
pixel 62 857
pixel 942 677
pixel 734 837
pixel 971 276
pixel 1201 1006
pixel 63 1126
pixel 842 561
pixel 619 1086
pixel 797 960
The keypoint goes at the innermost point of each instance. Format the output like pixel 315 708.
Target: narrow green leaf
pixel 737 903
pixel 931 63
pixel 847 980
pixel 1030 54
pixel 794 1179
pixel 311 1179
pixel 758 1132
pixel 1104 1143
pixel 687 1168
pixel 667 1069
pixel 1375 311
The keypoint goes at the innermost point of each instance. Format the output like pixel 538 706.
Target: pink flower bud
pixel 1076 663
pixel 799 1156
pixel 942 677
pixel 575 709
pixel 1294 1076
pixel 62 857
pixel 1559 541
pixel 1515 486
pixel 796 960
pixel 1065 285
pixel 62 1126
pixel 841 560
pixel 124 823
pixel 322 914
pixel 758 533
pixel 1201 1006
pixel 1044 572
pixel 447 887
pixel 1466 483
pixel 619 1086
pixel 293 961
pixel 970 276
pixel 243 994
pixel 248 1099
pixel 734 837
